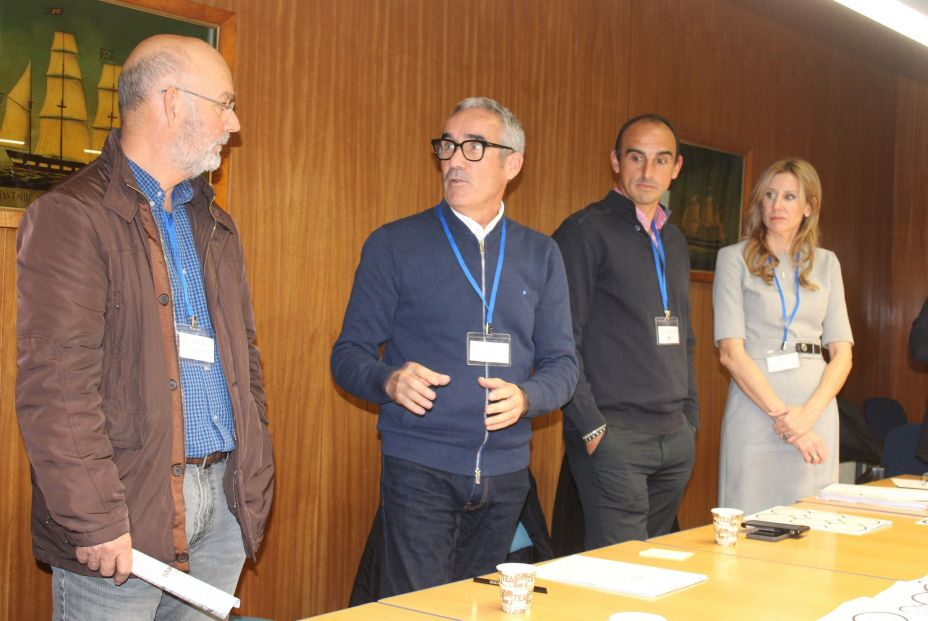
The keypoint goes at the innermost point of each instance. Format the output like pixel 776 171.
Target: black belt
pixel 209 460
pixel 809 348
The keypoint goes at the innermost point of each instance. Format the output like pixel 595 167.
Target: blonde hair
pixel 760 261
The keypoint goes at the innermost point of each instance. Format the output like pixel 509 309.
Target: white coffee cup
pixel 726 523
pixel 516 586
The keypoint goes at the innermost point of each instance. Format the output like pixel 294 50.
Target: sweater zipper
pixel 486 399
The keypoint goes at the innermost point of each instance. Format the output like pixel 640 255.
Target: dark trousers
pixel 440 527
pixel 631 487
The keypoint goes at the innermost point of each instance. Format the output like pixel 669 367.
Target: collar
pixel 180 195
pixel 479 232
pixel 661 214
pixel 121 195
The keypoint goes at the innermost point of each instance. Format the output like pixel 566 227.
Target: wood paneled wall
pixel 338 99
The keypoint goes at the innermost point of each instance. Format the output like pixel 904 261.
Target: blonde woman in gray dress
pixel 778 300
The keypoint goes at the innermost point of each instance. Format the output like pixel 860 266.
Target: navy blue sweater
pixel 626 379
pixel 411 297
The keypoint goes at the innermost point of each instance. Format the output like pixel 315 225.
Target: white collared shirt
pixel 479 232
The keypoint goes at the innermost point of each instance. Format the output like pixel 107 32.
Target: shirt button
pixel 173 384
pixel 164 299
pixel 177 470
pixel 181 557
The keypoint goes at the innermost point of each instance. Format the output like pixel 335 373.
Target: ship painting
pixel 65 141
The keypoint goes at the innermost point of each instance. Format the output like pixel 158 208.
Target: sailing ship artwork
pixel 705 202
pixel 65 142
pixel 59 73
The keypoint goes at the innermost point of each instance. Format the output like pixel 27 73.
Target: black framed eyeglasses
pixel 225 106
pixel 472 150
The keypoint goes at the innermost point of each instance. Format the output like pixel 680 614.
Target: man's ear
pixel 677 167
pixel 169 104
pixel 513 165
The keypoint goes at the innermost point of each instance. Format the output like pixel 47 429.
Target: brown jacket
pixel 97 392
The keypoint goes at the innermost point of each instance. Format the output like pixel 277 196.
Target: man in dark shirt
pixel 630 428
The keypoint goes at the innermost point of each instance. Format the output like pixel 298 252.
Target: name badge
pixel 493 350
pixel 668 330
pixel 194 345
pixel 777 362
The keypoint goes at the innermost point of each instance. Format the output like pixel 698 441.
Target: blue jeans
pixel 441 527
pixel 216 556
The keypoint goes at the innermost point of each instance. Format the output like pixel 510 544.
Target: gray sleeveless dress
pixel 757 470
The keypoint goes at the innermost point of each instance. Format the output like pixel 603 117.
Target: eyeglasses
pixel 472 150
pixel 223 105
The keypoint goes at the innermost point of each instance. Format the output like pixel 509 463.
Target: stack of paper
pixel 618 577
pixel 876 496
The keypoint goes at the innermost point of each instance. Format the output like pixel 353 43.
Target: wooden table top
pixel 897 552
pixel 738 588
pixel 378 611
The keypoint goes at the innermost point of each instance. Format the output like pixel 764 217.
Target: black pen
pixel 494 581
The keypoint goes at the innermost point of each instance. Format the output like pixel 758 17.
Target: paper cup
pixel 726 523
pixel 516 586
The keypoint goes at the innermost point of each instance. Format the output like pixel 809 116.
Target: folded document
pixel 873 495
pixel 618 577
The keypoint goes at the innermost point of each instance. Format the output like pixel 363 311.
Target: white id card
pixel 668 330
pixel 494 350
pixel 777 362
pixel 194 345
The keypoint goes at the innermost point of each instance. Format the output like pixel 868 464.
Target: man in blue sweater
pixel 470 310
pixel 629 430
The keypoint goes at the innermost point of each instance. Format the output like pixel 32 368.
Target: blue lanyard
pixel 470 278
pixel 786 322
pixel 178 264
pixel 657 249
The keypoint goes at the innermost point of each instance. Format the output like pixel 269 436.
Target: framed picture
pixel 59 65
pixel 706 202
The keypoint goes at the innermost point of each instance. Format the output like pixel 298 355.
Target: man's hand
pixel 507 403
pixel 410 387
pixel 113 558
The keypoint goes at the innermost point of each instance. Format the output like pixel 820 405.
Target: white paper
pixel 875 495
pixel 200 594
pixel 489 351
pixel 618 577
pixel 667 555
pixel 825 521
pixel 195 347
pixel 903 601
pixel 910 483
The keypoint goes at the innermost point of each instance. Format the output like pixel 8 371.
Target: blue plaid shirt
pixel 208 425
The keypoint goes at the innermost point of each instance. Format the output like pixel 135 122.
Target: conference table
pixel 899 552
pixel 757 580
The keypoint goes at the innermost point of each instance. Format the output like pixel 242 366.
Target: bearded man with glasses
pixel 139 392
pixel 458 326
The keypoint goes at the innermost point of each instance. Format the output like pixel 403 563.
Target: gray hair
pixel 513 134
pixel 137 81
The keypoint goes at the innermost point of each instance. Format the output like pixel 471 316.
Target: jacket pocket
pixel 123 426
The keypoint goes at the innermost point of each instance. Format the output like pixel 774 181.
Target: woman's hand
pixel 811 447
pixel 794 422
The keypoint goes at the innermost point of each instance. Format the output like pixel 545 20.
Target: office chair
pixel 883 414
pixel 899 451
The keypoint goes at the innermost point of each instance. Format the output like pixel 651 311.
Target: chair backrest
pixel 883 414
pixel 899 451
